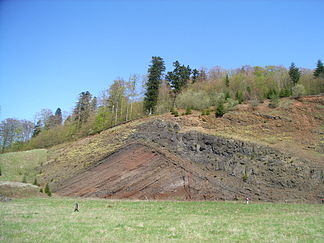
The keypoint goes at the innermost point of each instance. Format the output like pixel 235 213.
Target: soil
pixel 250 152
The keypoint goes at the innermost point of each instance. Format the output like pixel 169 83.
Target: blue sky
pixel 50 51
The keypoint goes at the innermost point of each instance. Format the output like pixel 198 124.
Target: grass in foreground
pixel 53 220
pixel 19 165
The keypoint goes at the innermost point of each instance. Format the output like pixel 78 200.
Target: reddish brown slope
pixel 141 172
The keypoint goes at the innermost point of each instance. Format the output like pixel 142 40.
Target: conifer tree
pixel 294 73
pixel 195 75
pixel 37 128
pixel 178 78
pixel 58 116
pixel 83 107
pixel 319 69
pixel 220 110
pixel 155 73
pixel 227 81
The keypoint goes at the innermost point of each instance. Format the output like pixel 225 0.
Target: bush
pixel 217 98
pixel 188 111
pixel 47 190
pixel 176 113
pixel 285 92
pixel 254 102
pixel 0 171
pixel 35 182
pixel 227 95
pixel 24 180
pixel 298 90
pixel 220 111
pixel 197 100
pixel 41 190
pixel 230 104
pixel 239 96
pixel 274 102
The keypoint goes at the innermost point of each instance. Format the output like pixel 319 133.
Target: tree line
pixel 159 92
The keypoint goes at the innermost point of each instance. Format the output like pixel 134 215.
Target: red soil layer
pixel 138 171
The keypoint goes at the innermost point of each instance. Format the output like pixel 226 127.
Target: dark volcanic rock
pixel 252 164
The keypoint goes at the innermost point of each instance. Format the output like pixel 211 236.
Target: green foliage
pixel 0 171
pixel 205 112
pixel 47 190
pixel 37 128
pixel 197 100
pixel 294 73
pixel 82 109
pixel 188 111
pixel 176 113
pixel 274 101
pixel 245 177
pixel 298 90
pixel 227 81
pixel 220 111
pixel 155 73
pixel 195 75
pixel 239 96
pixel 35 182
pixel 24 180
pixel 178 78
pixel 271 92
pixel 41 190
pixel 285 92
pixel 319 69
pixel 103 119
pixel 216 98
pixel 227 95
pixel 230 104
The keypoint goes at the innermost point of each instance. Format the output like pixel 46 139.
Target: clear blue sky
pixel 50 51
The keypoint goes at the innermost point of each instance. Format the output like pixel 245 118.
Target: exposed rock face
pixel 159 161
pixel 252 164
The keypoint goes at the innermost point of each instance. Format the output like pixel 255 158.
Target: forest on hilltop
pixel 216 89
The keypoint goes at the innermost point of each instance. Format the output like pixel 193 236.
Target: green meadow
pixel 21 166
pixel 53 220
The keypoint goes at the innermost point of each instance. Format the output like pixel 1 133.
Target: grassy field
pixel 53 220
pixel 16 166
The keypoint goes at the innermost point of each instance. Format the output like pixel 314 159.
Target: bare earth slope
pixel 247 153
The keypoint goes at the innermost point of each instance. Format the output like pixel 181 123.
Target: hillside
pixel 263 153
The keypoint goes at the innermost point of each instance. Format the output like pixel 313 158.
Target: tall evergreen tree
pixel 37 128
pixel 83 107
pixel 294 73
pixel 195 75
pixel 155 73
pixel 178 78
pixel 319 69
pixel 58 116
pixel 227 81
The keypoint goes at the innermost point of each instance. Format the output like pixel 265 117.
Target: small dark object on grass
pixel 76 208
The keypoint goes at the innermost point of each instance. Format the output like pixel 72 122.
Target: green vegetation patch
pixel 53 220
pixel 21 166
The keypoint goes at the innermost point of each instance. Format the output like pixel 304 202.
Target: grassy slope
pixel 15 166
pixel 53 220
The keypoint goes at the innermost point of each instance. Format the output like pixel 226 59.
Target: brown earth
pixel 262 153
